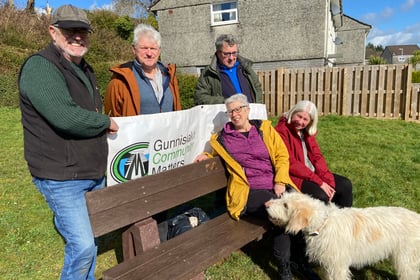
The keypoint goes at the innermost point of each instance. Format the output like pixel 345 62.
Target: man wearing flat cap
pixel 65 134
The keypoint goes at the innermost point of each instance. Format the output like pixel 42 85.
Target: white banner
pixel 150 144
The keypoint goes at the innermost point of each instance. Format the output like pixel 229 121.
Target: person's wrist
pixel 280 186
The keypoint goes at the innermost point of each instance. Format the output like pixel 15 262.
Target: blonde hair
pixel 308 107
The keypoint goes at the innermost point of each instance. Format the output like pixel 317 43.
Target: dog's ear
pixel 299 218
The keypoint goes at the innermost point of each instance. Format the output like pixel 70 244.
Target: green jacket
pixel 209 86
pixel 237 187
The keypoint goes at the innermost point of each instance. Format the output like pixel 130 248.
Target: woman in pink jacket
pixel 308 168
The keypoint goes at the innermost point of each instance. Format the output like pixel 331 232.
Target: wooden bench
pixel 185 256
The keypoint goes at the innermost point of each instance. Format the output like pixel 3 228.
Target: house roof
pixel 405 49
pixel 158 5
pixel 367 26
pixel 172 4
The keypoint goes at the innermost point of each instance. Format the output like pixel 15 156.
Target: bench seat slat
pixel 139 209
pixel 116 207
pixel 111 197
pixel 188 254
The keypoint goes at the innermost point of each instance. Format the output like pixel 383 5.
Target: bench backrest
pixel 124 204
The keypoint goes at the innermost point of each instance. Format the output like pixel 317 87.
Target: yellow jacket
pixel 237 188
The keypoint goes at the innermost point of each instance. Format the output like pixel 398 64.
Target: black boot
pixel 299 264
pixel 284 272
pixel 304 271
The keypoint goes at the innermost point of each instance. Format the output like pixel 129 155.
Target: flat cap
pixel 69 16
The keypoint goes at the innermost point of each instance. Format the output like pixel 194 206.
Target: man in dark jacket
pixel 65 138
pixel 227 74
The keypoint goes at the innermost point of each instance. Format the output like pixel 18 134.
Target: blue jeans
pixel 67 202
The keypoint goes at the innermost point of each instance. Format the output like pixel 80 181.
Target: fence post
pixel 345 91
pixel 381 92
pixel 280 92
pixel 388 91
pixel 407 92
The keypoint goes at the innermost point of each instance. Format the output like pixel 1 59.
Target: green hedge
pixel 416 77
pixel 187 85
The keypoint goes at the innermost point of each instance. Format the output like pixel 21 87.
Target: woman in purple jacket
pixel 308 168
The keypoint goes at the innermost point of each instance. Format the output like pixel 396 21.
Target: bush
pixel 102 19
pixel 11 58
pixel 23 29
pixel 103 75
pixel 124 27
pixel 107 46
pixel 416 77
pixel 376 60
pixel 187 85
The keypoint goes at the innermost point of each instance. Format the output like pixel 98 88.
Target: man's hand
pixel 113 127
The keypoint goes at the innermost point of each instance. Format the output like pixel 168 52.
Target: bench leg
pixel 139 238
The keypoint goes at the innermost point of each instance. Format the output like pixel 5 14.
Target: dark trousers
pixel 282 242
pixel 343 196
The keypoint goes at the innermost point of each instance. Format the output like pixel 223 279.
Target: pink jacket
pixel 298 170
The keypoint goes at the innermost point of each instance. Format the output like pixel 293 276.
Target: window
pixel 224 13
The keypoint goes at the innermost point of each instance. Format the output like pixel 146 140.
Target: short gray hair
pixel 238 97
pixel 308 107
pixel 145 30
pixel 227 38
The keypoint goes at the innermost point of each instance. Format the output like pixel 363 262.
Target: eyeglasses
pixel 228 54
pixel 236 110
pixel 75 31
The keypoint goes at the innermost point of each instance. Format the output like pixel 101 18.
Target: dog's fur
pixel 338 238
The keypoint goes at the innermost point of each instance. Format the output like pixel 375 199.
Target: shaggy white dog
pixel 338 238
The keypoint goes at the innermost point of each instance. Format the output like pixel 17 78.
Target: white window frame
pixel 215 14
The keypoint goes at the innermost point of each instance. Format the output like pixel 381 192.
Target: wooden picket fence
pixel 377 91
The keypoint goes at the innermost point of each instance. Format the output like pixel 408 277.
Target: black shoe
pixel 284 272
pixel 303 271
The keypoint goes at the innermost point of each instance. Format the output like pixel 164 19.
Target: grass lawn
pixel 381 157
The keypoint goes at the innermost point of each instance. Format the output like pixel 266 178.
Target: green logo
pixel 131 162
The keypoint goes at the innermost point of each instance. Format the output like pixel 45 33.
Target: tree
pixel 378 48
pixel 124 27
pixel 30 6
pixel 134 8
pixel 151 19
pixel 415 59
pixel 7 3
